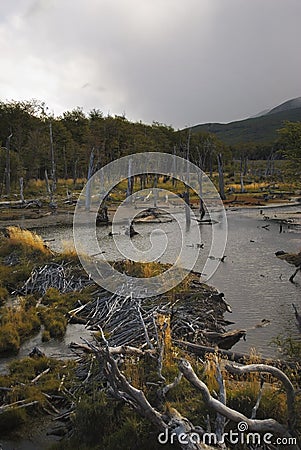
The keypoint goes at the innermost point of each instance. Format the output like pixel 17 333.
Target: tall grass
pixel 26 238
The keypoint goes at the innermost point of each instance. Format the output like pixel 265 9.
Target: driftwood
pixel 225 340
pixel 120 387
pixel 298 317
pixel 261 426
pixel 17 405
pixel 194 315
pixel 169 423
pixel 121 350
pixel 277 373
pixel 291 258
pixel 16 204
pixel 34 380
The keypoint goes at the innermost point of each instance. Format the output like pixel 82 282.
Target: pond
pixel 254 281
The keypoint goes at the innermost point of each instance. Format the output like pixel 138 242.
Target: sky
pixel 179 62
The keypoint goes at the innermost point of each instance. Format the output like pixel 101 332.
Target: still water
pixel 253 280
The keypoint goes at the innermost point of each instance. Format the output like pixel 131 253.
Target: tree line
pixel 35 143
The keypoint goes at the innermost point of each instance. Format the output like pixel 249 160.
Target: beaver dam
pixel 151 366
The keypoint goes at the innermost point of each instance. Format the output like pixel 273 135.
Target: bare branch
pixel 277 373
pixel 265 425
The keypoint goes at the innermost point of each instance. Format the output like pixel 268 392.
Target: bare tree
pixel 7 165
pixel 221 176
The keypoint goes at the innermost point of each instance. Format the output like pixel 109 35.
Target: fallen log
pixel 298 317
pixel 277 373
pixel 225 340
pixel 261 426
pixel 242 358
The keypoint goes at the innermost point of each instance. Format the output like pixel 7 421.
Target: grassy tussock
pixel 26 238
pixel 16 324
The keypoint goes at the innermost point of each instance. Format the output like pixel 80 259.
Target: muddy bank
pixel 34 217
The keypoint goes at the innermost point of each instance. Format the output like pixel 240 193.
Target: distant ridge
pixel 289 104
pixel 261 128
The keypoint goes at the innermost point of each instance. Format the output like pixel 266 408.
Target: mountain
pixel 258 129
pixel 286 106
pixel 261 113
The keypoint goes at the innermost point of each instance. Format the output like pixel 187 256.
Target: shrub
pixel 12 419
pixel 57 328
pixel 54 322
pixel 3 295
pixel 46 336
pixel 9 339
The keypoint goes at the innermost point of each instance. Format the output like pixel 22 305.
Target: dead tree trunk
pixel 155 190
pixel 53 174
pixel 221 177
pixel 75 171
pixel 187 197
pixel 242 187
pixel 200 179
pixel 88 186
pixel 65 163
pixel 129 190
pixel 7 165
pixel 245 166
pixel 21 190
pixel 277 373
pixel 260 426
pixel 174 169
pixel 48 187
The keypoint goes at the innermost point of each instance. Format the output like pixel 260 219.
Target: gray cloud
pixel 175 61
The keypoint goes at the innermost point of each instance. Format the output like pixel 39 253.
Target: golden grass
pixel 27 239
pixel 68 248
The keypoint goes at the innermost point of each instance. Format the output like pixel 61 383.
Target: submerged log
pixel 225 340
pixel 131 231
pixel 291 258
pixel 298 317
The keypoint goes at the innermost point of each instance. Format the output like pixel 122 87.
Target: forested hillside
pixel 259 130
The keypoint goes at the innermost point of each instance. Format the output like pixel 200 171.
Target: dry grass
pixel 68 249
pixel 27 239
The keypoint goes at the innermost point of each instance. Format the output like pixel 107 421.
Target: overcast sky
pixel 180 62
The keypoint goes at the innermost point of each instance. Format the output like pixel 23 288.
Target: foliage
pixel 290 140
